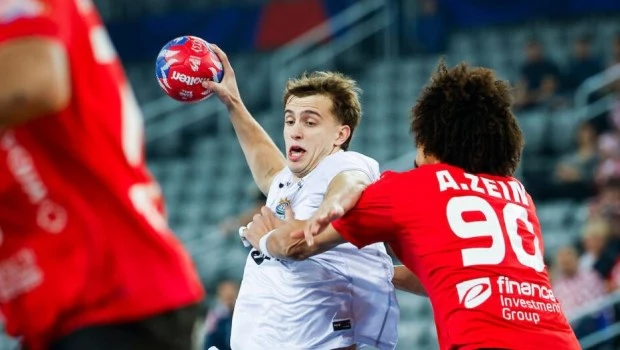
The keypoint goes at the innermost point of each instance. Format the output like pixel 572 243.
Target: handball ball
pixel 183 64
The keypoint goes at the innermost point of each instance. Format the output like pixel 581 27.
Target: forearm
pixel 282 246
pixel 407 281
pixel 346 189
pixel 261 153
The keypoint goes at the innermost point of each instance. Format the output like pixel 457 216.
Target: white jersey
pixel 335 299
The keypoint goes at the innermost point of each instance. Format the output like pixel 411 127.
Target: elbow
pixel 420 291
pixel 37 82
pixel 53 93
pixel 20 105
pixel 58 99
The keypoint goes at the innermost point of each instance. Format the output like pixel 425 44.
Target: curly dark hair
pixel 463 118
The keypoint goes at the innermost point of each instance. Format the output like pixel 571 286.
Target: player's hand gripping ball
pixel 183 64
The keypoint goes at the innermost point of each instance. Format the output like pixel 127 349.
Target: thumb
pixel 289 215
pixel 211 85
pixel 336 213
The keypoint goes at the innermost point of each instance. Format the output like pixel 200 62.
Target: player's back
pixel 82 218
pixel 478 250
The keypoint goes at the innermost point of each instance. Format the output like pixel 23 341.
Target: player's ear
pixel 344 132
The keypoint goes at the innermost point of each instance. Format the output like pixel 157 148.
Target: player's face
pixel 311 132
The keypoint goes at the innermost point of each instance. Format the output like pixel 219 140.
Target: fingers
pixel 224 58
pixel 309 238
pixel 269 218
pixel 313 228
pixel 228 70
pixel 265 211
pixel 320 221
pixel 211 85
pixel 336 213
pixel 257 219
pixel 288 213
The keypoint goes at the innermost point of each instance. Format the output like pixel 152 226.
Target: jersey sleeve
pixel 372 219
pixel 24 18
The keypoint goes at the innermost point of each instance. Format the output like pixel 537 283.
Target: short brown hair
pixel 341 90
pixel 463 118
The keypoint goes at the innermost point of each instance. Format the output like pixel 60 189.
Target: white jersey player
pixel 341 298
pixel 333 300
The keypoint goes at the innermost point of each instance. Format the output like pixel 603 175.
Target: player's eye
pixel 289 122
pixel 310 123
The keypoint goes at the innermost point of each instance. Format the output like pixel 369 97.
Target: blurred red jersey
pixel 476 245
pixel 83 238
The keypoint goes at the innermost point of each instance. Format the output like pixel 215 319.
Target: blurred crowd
pixel 588 270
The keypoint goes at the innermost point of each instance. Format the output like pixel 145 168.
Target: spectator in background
pixel 219 318
pixel 431 28
pixel 576 288
pixel 609 141
pixel 540 77
pixel 609 204
pixel 607 207
pixel 593 239
pixel 582 65
pixel 574 173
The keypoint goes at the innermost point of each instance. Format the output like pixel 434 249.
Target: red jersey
pixel 83 238
pixel 475 243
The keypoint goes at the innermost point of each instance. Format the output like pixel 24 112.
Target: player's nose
pixel 296 132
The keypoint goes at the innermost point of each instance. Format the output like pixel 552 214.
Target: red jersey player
pixel 86 258
pixel 460 222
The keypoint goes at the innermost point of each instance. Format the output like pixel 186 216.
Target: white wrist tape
pixel 262 244
pixel 242 236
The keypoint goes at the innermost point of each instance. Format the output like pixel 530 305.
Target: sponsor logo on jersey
pixel 474 292
pixel 186 79
pixel 281 208
pixel 519 300
pixel 11 10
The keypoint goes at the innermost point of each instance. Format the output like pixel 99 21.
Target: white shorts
pixel 330 301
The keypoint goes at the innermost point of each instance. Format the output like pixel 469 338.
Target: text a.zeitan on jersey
pixel 520 300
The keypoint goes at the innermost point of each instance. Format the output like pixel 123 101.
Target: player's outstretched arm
pixel 261 153
pixel 407 281
pixel 35 79
pixel 343 192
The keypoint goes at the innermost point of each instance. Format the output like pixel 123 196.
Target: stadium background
pixel 391 47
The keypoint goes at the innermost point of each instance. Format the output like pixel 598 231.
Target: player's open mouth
pixel 295 153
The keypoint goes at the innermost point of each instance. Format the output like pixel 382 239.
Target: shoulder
pixel 424 172
pixel 282 177
pixel 341 161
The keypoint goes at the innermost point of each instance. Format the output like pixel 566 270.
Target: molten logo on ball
pixel 183 65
